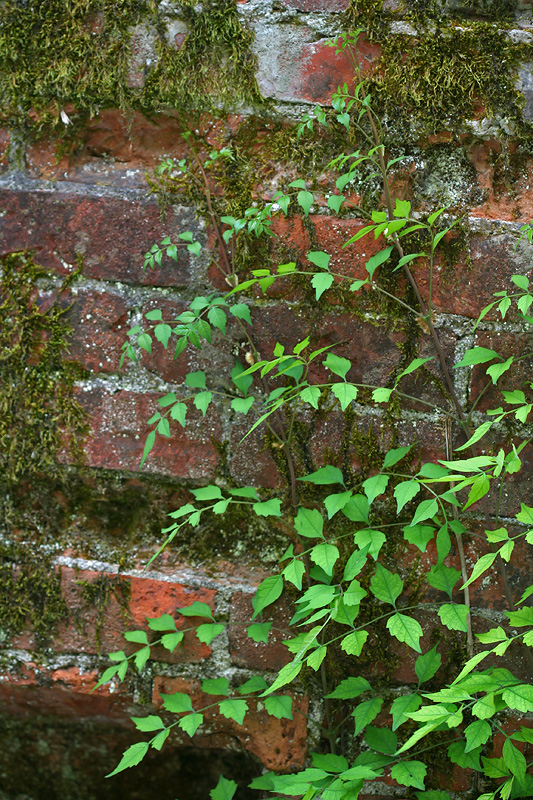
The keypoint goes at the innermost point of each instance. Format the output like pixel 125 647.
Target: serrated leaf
pixel 454 616
pixel 309 523
pixel 171 640
pixel 336 502
pixel 355 563
pixel 206 633
pixel 179 412
pixel 217 318
pixel 294 572
pixel 325 555
pixel 162 334
pixel 381 739
pixel 376 260
pixel 202 400
pixel 141 657
pixel 419 535
pixel 148 724
pixel 305 201
pixel 476 355
pixel 405 629
pixel 224 790
pixel 519 697
pixel 163 623
pixel 270 508
pixel 335 201
pixel 191 723
pixel 427 665
pixel 255 684
pixel 234 709
pixel 149 443
pixel 368 539
pixel 443 578
pixel 196 609
pixel 386 586
pixel 259 631
pixel 477 733
pixel 286 675
pixel 321 283
pixel 325 476
pixel 353 643
pixel 195 379
pixel 131 757
pixel 375 486
pixel 311 395
pixel 159 740
pixel 350 688
pixel 404 492
pixel 177 702
pixel 402 706
pixel 215 686
pixel 345 393
pixel 267 593
pixel 365 713
pixel 409 773
pixel 319 259
pixel 279 706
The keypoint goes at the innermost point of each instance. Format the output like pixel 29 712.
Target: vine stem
pixel 380 148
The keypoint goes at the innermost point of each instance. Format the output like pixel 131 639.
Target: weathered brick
pixel 118 425
pixel 110 234
pixel 519 375
pixel 252 463
pixel 99 324
pixel 258 655
pixel 102 606
pixel 4 147
pixel 161 361
pixel 280 744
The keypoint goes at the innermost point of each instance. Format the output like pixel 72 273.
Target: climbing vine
pixel 347 529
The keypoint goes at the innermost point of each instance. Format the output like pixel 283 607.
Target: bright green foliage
pixel 356 600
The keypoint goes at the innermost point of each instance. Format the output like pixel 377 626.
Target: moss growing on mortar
pixel 77 56
pixel 30 593
pixel 37 406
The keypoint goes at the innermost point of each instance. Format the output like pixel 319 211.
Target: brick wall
pixel 77 197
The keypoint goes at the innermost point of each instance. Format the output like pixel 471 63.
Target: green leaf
pixel 144 341
pixel 171 640
pixel 354 594
pixel 357 508
pixel 207 493
pixel 154 315
pixel 338 365
pixel 148 724
pixel 177 702
pixel 139 637
pixel 370 540
pixel 325 555
pixel 242 382
pixel 202 400
pixel 425 510
pixel 195 379
pixel 162 334
pixel 294 572
pixel 321 283
pixel 350 688
pixel 476 355
pixel 355 564
pixel 406 629
pixel 319 258
pixel 149 443
pixel 311 395
pixel 167 400
pixel 163 623
pixel 270 508
pixel 375 486
pixel 224 790
pixel 409 773
pixel 325 476
pixel 520 618
pixel 287 674
pixel 414 365
pixel 495 371
pixel 365 713
pixel 309 523
pixel 519 697
pixel 259 631
pixel 215 686
pixel 381 395
pixel 234 709
pixel 393 456
pixel 159 740
pixel 353 643
pixel 481 566
pixel 267 593
pixel 131 757
pixel 403 706
pixel 242 405
pixel 256 684
pixel 386 586
pixel 191 723
pixel 141 657
pixel 376 260
pixel 404 492
pixel 217 318
pixel 179 412
pixel 345 393
pixel 419 535
pixel 305 201
pixel 381 739
pixel 477 734
pixel 514 760
pixel 279 706
pixel 443 578
pixel 336 502
pixel 206 633
pixel 494 635
pixel 196 609
pixel 427 665
pixel 315 659
pixel 335 201
pixel 329 762
pixel 454 616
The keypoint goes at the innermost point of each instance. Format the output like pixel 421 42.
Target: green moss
pixel 95 597
pixel 37 408
pixel 30 593
pixel 214 66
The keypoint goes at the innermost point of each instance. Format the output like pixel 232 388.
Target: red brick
pixel 100 630
pixel 258 655
pixel 110 234
pixel 116 149
pixel 99 324
pixel 280 744
pixel 118 425
pixel 252 463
